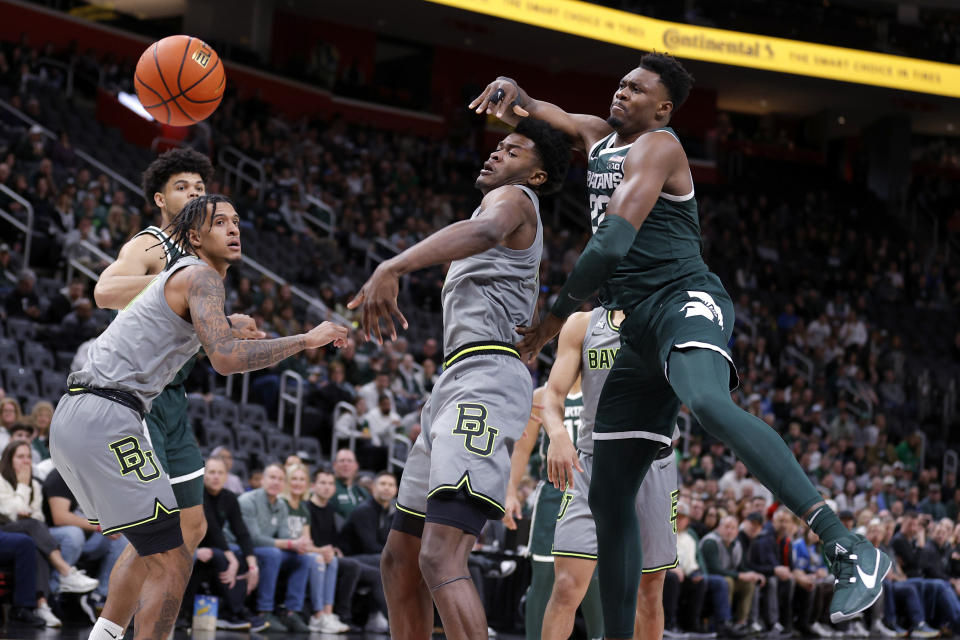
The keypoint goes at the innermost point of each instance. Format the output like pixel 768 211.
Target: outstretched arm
pixel 519 459
pixel 227 354
pixel 502 214
pixel 562 455
pixel 137 264
pixel 648 165
pixel 514 104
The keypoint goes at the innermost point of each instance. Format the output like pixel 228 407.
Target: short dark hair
pixel 324 470
pixel 168 163
pixel 385 473
pixel 674 77
pixel 553 150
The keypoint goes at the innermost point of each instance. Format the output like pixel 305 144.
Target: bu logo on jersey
pixel 703 305
pixel 133 458
pixel 478 436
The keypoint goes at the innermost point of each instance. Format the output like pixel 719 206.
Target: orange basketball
pixel 180 80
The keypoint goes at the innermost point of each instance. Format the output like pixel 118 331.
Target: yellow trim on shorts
pixel 663 568
pixel 410 511
pixel 465 480
pixel 570 554
pixel 491 348
pixel 157 508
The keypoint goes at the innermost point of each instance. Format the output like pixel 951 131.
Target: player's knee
pixel 567 591
pixel 194 526
pixel 394 560
pixel 440 563
pixel 650 595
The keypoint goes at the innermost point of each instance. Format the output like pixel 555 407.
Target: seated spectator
pixel 323 570
pixel 325 526
pixel 902 602
pixel 9 416
pixel 379 386
pixel 216 558
pixel 40 417
pixel 723 556
pixel 79 540
pixel 348 494
pixel 382 422
pixel 21 506
pixel 20 552
pixel 266 517
pixel 932 505
pixel 366 530
pixel 815 587
pixel 685 583
pixel 767 558
pixel 62 303
pixel 23 301
pixel 233 482
pixel 78 326
pixel 940 603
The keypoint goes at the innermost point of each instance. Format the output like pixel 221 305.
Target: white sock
pixel 105 630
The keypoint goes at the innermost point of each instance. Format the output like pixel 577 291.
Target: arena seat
pixel 21 328
pixel 37 356
pixel 20 381
pixel 225 410
pixel 9 352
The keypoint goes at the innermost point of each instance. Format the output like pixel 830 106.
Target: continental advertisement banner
pixel 724 47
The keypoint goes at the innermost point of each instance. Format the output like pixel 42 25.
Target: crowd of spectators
pixel 838 309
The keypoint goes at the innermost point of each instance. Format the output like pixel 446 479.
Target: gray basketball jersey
pixel 144 347
pixel 600 346
pixel 486 295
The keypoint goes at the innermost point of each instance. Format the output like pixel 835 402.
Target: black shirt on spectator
pixel 325 522
pixel 220 510
pixel 55 487
pixel 366 529
pixel 908 555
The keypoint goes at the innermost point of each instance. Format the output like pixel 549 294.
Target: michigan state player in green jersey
pixel 645 259
pixel 547 503
pixel 170 181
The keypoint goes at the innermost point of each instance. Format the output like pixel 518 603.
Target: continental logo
pixel 673 39
pixel 202 56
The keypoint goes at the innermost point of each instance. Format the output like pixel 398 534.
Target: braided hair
pixel 193 216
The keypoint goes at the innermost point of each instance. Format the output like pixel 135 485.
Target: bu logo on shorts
pixel 705 306
pixel 133 458
pixel 479 437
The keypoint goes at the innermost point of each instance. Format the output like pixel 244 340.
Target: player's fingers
pixel 484 99
pixel 520 111
pixel 357 299
pixel 508 521
pixel 577 465
pixel 475 104
pixel 399 316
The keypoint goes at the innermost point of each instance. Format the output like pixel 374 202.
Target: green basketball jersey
pixel 666 249
pixel 572 408
pixel 173 253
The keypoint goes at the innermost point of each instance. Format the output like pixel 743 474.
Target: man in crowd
pixel 348 494
pixel 265 516
pixel 768 557
pixel 723 556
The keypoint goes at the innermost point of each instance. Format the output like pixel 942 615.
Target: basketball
pixel 180 80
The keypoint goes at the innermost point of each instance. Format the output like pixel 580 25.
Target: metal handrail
pixel 797 356
pixel 63 65
pixel 28 231
pixel 296 399
pixel 234 166
pixel 329 227
pixel 74 263
pixel 83 155
pixel 392 460
pixel 334 438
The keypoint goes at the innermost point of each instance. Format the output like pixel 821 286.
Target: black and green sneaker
pixel 859 568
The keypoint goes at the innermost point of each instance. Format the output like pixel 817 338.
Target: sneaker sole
pixel 841 617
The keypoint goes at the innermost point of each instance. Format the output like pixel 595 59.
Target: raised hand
pixel 498 95
pixel 377 300
pixel 325 333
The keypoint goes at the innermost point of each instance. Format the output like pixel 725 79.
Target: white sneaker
pixel 327 623
pixel 44 612
pixel 822 630
pixel 378 623
pixel 77 582
pixel 857 630
pixel 880 629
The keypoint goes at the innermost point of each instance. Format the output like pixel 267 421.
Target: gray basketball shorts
pixel 103 451
pixel 576 532
pixel 478 409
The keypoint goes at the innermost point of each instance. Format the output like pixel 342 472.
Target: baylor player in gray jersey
pixel 546 505
pixel 455 477
pixel 589 343
pixel 98 438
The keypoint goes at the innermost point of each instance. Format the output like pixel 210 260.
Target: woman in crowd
pixel 323 576
pixel 21 512
pixel 40 417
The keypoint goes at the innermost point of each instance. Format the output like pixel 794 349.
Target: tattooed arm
pixel 227 354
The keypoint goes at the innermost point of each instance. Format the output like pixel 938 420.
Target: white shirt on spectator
pixel 687 553
pixel 381 426
pixel 371 395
